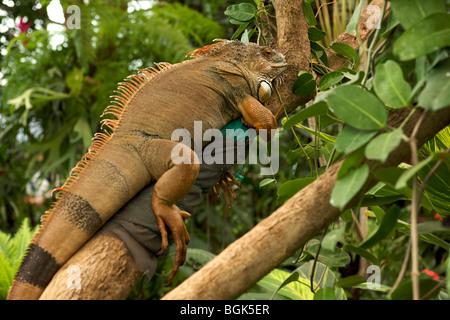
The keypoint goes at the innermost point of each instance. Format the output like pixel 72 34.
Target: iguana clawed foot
pixel 224 183
pixel 172 217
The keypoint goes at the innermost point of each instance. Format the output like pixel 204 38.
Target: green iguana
pixel 227 80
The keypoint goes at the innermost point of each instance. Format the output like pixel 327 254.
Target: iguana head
pixel 259 65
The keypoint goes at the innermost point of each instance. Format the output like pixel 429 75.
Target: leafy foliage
pixel 12 250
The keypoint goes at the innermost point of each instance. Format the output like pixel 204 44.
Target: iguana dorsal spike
pixel 208 48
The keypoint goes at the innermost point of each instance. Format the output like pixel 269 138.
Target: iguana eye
pixel 264 91
pixel 268 52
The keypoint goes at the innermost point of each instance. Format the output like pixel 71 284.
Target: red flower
pixel 437 217
pixel 432 274
pixel 24 26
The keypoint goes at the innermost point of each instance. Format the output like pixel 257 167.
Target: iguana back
pixel 135 149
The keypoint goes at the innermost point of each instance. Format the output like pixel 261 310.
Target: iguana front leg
pixel 174 181
pixel 256 115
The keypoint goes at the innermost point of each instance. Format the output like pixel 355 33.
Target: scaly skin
pixel 227 80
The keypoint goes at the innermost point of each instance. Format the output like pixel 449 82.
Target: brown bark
pixel 101 270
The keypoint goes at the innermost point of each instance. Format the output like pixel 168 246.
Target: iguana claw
pixel 172 217
pixel 224 183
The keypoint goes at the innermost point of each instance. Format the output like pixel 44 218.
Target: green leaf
pixel 351 162
pixel 315 34
pixel 447 272
pixel 350 139
pixel 317 109
pixel 276 282
pixel 332 237
pixel 198 256
pixel 289 188
pixel 323 277
pixel 423 37
pixel 426 284
pixel 350 281
pixel 348 186
pixel 387 224
pixel 362 252
pixel 358 107
pixel 380 147
pixel 309 14
pixel 352 26
pixel 305 84
pixel 325 294
pixel 240 30
pixel 344 49
pixel 330 79
pixel 409 174
pixel 322 136
pixel 337 258
pixel 242 12
pixel 436 94
pixel 266 182
pixel 390 86
pixel 411 11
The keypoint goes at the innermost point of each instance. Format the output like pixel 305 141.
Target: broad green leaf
pixel 358 108
pixel 436 94
pixel 348 186
pixel 292 290
pixel 330 79
pixel 386 226
pixel 317 109
pixel 390 85
pixel 309 14
pixel 409 174
pixel 242 12
pixel 423 37
pixel 350 139
pixel 411 11
pixel 380 147
pixel 350 281
pixel 315 34
pixel 266 182
pixel 305 84
pixel 343 49
pixel 325 294
pixel 323 277
pixel 289 188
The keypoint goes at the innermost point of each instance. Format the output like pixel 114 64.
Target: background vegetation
pixel 56 81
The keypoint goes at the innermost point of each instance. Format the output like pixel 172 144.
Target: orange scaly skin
pixel 223 83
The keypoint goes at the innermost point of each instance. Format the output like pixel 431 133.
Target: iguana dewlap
pixel 227 80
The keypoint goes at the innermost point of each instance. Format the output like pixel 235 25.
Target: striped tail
pixel 101 188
